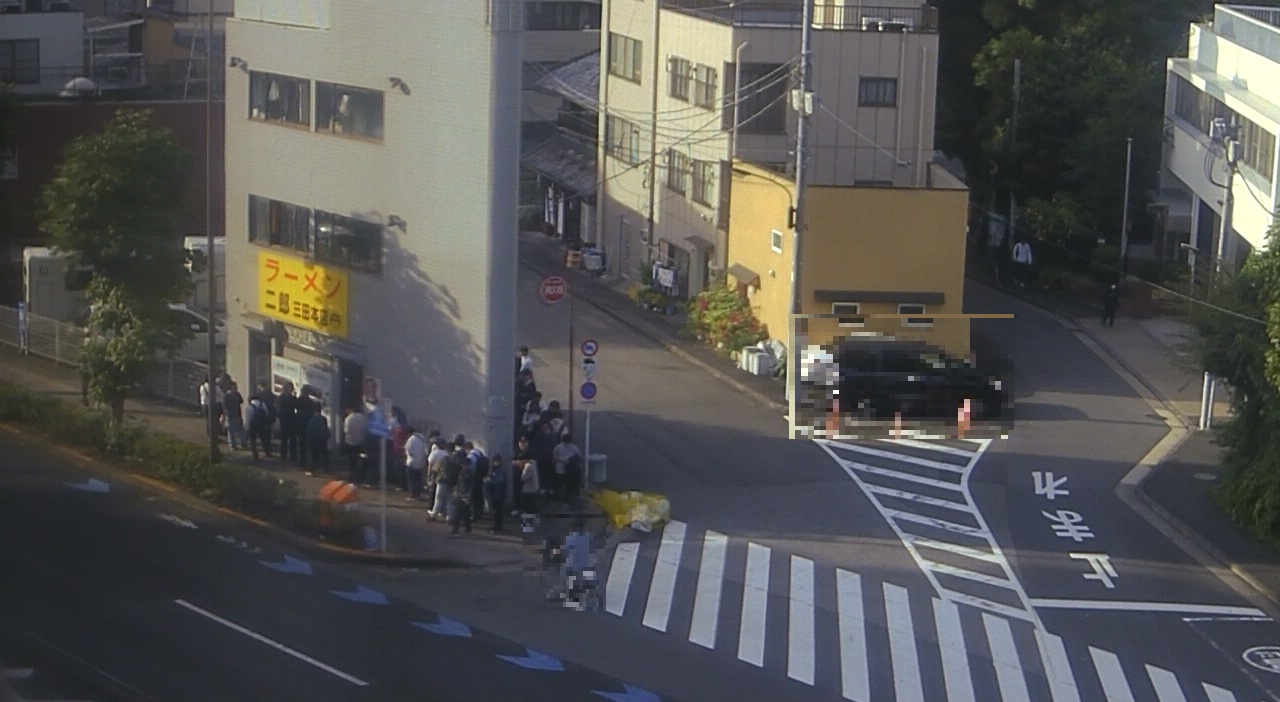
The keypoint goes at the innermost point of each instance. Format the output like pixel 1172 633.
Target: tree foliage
pixel 113 205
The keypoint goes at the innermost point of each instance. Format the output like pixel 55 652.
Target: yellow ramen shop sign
pixel 303 294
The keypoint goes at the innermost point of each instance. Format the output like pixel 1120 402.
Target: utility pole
pixel 1124 218
pixel 802 101
pixel 1013 150
pixel 653 134
pixel 737 101
pixel 208 229
pixel 1227 134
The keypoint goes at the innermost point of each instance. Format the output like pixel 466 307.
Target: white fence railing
pixel 176 379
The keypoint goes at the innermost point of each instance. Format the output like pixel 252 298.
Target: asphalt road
pixel 178 605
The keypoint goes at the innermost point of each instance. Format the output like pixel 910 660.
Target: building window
pixel 910 320
pixel 877 92
pixel 276 98
pixel 321 236
pixel 704 86
pixel 275 223
pixel 1199 109
pixel 775 241
pixel 677 171
pixel 20 61
pixel 342 109
pixel 679 71
pixel 625 57
pixel 561 16
pixel 704 181
pixel 850 314
pixel 761 105
pixel 348 242
pixel 622 139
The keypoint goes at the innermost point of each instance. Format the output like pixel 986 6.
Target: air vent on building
pixel 872 24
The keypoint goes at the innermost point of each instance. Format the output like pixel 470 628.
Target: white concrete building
pixel 371 204
pixel 556 31
pixel 668 98
pixel 41 45
pixel 1229 72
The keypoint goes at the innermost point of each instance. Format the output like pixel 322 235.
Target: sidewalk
pixel 1178 489
pixel 411 540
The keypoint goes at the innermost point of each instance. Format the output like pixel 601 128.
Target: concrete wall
pixel 761 205
pixel 437 324
pixel 61 36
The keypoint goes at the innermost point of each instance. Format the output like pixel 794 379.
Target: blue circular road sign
pixel 589 348
pixel 588 391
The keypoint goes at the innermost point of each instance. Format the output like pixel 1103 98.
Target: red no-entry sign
pixel 553 289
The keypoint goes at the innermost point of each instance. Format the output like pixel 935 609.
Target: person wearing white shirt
pixel 1024 260
pixel 415 463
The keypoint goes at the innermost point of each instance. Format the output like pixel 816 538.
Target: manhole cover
pixel 1205 476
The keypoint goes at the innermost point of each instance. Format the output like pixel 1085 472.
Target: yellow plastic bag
pixel 640 510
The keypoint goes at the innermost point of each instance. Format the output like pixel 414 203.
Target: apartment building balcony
pixel 827 15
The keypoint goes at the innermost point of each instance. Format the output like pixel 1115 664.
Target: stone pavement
pixel 1177 490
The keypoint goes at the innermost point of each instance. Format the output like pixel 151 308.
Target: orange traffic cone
pixel 963 419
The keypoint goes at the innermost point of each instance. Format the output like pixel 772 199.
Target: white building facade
pixel 669 108
pixel 371 240
pixel 1230 73
pixel 41 45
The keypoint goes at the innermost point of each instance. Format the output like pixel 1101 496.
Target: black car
pixel 879 378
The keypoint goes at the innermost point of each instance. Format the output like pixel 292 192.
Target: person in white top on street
pixel 415 462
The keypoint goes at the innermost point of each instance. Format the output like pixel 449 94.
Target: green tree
pixel 113 205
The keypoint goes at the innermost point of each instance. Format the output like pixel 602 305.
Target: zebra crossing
pixel 842 633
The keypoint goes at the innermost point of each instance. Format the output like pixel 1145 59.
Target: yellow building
pixel 868 251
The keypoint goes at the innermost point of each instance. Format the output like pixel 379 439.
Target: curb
pixel 666 342
pixel 1130 488
pixel 330 553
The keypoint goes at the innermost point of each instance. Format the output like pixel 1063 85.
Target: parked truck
pixel 53 285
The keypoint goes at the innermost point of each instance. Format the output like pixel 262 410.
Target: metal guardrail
pixel 176 380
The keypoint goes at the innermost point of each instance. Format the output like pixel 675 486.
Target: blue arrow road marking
pixel 91 485
pixel 632 694
pixel 362 594
pixel 534 660
pixel 446 627
pixel 290 565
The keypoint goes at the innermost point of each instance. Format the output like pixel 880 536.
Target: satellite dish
pixel 78 87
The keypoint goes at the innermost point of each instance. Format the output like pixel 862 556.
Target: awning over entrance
pixel 910 297
pixel 699 242
pixel 567 161
pixel 744 275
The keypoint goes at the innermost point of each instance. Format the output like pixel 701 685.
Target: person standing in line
pixel 354 428
pixel 480 469
pixel 415 463
pixel 563 454
pixel 524 452
pixel 24 339
pixel 461 503
pixel 317 438
pixel 436 463
pixel 530 487
pixel 545 442
pixel 232 408
pixel 206 401
pixel 1110 301
pixel 398 439
pixel 524 362
pixel 259 426
pixel 495 486
pixel 1024 261
pixel 290 431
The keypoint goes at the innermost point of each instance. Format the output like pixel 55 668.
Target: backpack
pixel 257 413
pixel 482 465
pixel 453 469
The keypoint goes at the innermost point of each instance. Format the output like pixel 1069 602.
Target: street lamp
pixel 208 227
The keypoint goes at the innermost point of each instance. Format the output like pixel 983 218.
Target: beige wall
pixel 866 239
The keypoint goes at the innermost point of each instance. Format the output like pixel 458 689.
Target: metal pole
pixel 208 227
pixel 587 444
pixel 653 143
pixel 1013 146
pixel 569 292
pixel 1124 219
pixel 1206 402
pixel 382 462
pixel 737 106
pixel 1191 294
pixel 802 163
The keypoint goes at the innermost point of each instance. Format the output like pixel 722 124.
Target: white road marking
pixel 272 643
pixel 916 497
pixel 619 583
pixel 935 446
pixel 1053 654
pixel 1111 675
pixel 975 576
pixel 1004 654
pixel 958 549
pixel 16 673
pixel 662 587
pixel 855 672
pixel 902 458
pixel 955 657
pixel 1217 694
pixel 755 605
pixel 706 602
pixel 1166 685
pixel 934 522
pixel 1178 607
pixel 800 627
pixel 907 477
pixel 907 685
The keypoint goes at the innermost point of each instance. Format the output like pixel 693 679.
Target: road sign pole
pixel 382 461
pixel 586 459
pixel 569 293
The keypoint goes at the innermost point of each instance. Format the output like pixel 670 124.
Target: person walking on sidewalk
pixel 317 439
pixel 233 409
pixel 354 428
pixel 495 486
pixel 1110 301
pixel 415 463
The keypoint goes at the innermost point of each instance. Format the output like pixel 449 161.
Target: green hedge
pixel 169 459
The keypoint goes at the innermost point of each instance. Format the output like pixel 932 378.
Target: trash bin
pixel 597 468
pixel 337 496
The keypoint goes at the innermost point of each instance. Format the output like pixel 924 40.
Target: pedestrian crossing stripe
pixel 966 638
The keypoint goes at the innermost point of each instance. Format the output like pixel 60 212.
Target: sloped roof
pixel 578 80
pixel 566 160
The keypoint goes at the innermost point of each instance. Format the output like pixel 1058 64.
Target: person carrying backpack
pixel 495 487
pixel 460 480
pixel 480 468
pixel 259 426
